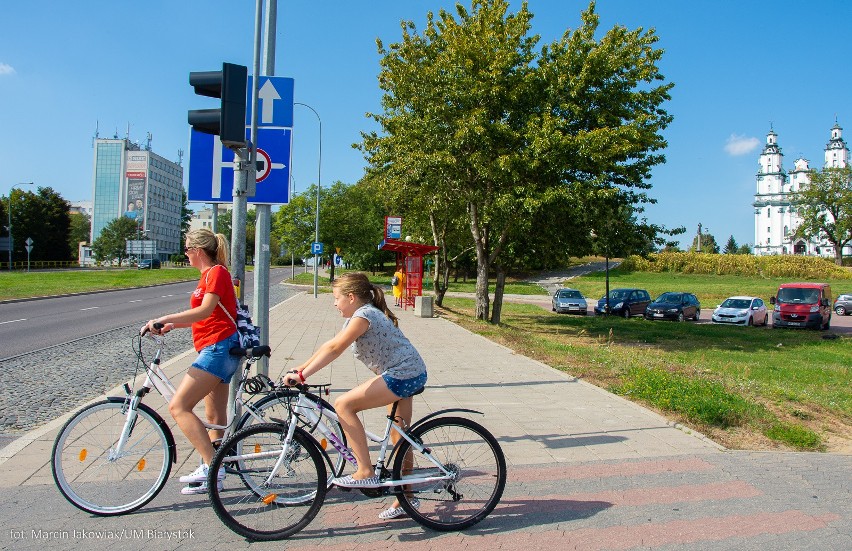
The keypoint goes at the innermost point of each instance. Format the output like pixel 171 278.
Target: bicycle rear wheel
pixel 277 491
pixel 274 406
pixel 93 477
pixel 474 457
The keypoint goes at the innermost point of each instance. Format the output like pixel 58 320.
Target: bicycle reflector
pixel 324 444
pixel 83 453
pixel 269 498
pixel 141 465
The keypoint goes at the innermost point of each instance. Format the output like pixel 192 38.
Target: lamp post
pixel 319 186
pixel 9 227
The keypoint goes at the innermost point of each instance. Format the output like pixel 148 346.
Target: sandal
pixel 396 512
pixel 349 482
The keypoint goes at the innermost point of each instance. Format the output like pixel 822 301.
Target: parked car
pixel 843 305
pixel 741 311
pixel 802 305
pixel 624 302
pixel 148 264
pixel 674 306
pixel 569 301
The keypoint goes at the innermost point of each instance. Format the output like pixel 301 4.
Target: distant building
pixel 81 207
pixel 775 219
pixel 139 184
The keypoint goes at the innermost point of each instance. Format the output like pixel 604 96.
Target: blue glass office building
pixel 139 184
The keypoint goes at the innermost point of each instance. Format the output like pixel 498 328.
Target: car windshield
pixel 739 303
pixel 618 294
pixel 798 296
pixel 671 298
pixel 567 293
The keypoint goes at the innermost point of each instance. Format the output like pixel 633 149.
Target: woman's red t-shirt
pixel 217 326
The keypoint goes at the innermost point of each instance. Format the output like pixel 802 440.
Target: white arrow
pixel 267 94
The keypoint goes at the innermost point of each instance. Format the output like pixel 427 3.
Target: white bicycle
pixel 114 456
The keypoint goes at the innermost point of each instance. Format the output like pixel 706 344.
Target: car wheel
pixel 750 321
pixel 626 313
pixel 680 317
pixel 840 311
pixel 697 315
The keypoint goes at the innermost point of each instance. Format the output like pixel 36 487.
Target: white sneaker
pixel 200 474
pixel 198 488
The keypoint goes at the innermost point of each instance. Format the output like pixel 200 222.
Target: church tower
pixel 836 151
pixel 770 199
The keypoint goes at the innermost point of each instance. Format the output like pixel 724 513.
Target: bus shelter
pixel 409 259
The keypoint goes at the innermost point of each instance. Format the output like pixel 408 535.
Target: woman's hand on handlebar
pixel 156 327
pixel 292 378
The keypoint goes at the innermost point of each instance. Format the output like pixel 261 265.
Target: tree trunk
pixel 499 287
pixel 480 239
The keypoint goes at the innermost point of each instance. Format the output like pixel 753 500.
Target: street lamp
pixel 319 186
pixel 9 227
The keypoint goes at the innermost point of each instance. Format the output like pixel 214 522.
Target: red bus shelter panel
pixel 409 256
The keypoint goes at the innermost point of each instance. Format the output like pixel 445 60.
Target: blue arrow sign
pixel 211 174
pixel 274 102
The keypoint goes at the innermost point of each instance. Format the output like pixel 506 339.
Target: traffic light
pixel 229 121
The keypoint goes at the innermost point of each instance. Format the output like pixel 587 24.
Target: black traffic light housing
pixel 229 121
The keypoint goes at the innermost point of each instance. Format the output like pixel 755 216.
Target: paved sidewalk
pixel 587 469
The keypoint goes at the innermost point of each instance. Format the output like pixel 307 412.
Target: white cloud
pixel 741 145
pixel 6 69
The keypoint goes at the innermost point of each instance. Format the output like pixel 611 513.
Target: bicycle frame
pixel 157 379
pixel 313 412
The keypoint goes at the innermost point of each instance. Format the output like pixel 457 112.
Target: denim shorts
pixel 405 388
pixel 216 359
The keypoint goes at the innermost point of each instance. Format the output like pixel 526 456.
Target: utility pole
pixel 263 224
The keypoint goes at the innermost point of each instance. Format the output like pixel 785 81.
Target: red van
pixel 802 305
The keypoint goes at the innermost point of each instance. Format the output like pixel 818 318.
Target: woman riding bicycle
pixel 213 307
pixel 371 329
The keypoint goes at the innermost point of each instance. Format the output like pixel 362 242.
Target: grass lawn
pixel 749 388
pixel 33 284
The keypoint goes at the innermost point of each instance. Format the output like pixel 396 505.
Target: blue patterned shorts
pixel 405 387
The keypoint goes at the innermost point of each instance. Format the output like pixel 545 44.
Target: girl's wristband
pixel 301 377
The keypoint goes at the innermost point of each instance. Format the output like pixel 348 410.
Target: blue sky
pixel 67 67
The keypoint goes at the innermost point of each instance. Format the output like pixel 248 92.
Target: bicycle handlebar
pixel 252 352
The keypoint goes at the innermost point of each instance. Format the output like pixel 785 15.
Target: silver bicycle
pixel 448 472
pixel 114 456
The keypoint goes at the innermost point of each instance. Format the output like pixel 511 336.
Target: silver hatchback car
pixel 569 301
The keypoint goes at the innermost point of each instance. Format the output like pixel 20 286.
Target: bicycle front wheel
pixel 478 474
pixel 279 488
pixel 98 479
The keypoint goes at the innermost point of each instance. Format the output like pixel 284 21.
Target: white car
pixel 741 311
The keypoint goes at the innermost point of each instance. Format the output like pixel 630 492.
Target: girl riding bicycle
pixel 371 329
pixel 213 307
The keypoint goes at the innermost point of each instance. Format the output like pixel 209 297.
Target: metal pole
pixel 244 159
pixel 319 187
pixel 9 227
pixel 263 226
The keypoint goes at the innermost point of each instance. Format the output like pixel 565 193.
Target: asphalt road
pixel 37 324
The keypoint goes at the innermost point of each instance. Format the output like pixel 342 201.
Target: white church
pixel 775 220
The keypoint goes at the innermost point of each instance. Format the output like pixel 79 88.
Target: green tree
pixel 473 117
pixel 825 205
pixel 111 245
pixel 731 246
pixel 80 230
pixel 745 248
pixel 44 217
pixel 185 219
